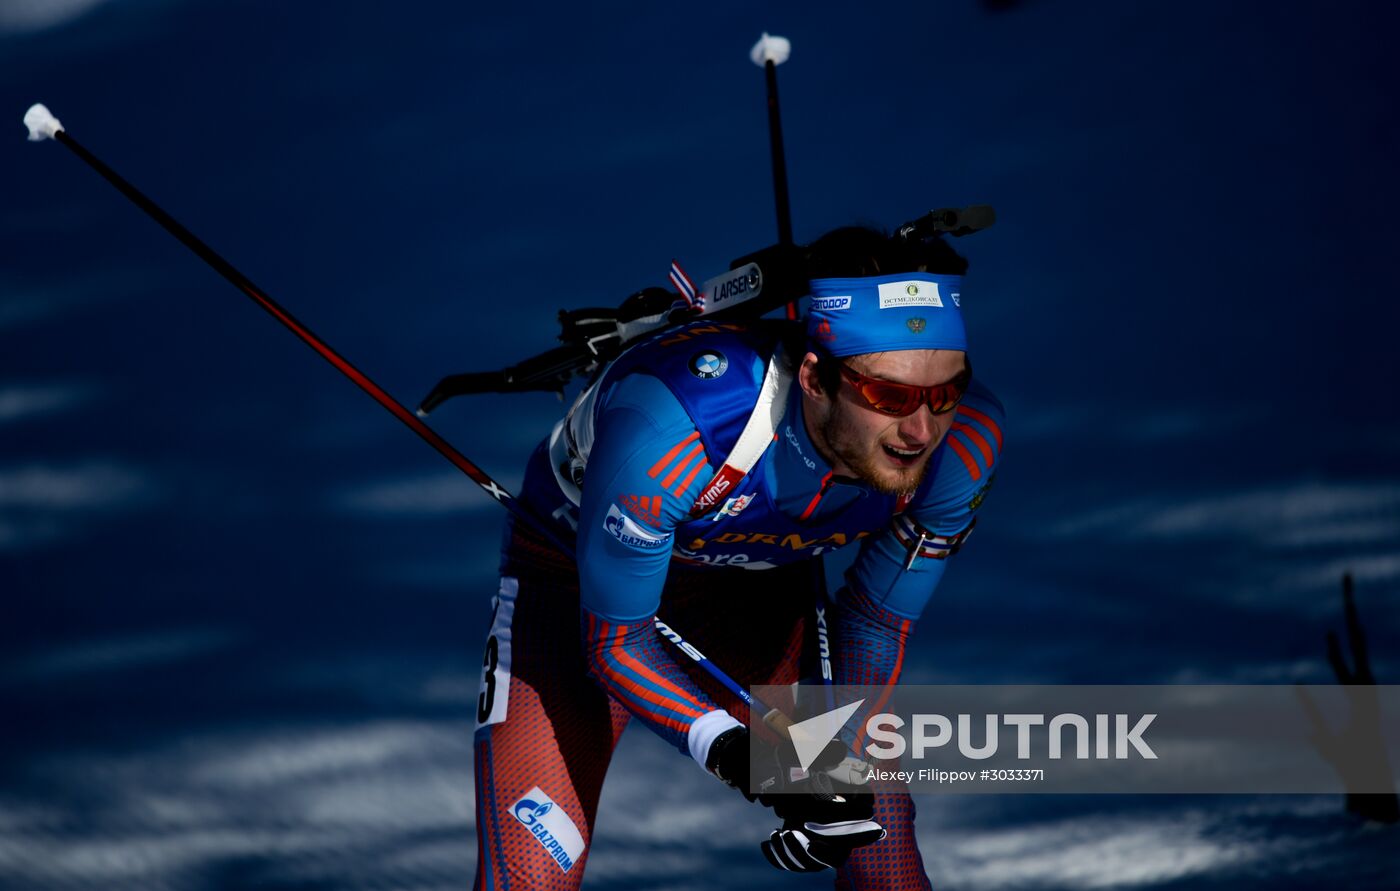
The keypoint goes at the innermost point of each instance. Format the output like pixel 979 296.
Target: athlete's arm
pixel 646 463
pixel 882 599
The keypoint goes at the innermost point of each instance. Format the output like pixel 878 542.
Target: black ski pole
pixel 770 52
pixel 43 125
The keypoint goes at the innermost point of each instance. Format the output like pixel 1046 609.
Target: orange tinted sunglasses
pixel 901 400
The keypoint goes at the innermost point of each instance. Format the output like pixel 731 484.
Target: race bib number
pixel 494 695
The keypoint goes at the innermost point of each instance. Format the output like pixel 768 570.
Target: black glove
pixel 729 759
pixel 823 820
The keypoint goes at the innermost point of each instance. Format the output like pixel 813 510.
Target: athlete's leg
pixel 545 731
pixel 893 862
pixel 868 648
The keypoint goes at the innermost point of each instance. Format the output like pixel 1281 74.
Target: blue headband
pixel 904 311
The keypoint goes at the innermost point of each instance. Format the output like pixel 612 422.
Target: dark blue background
pixel 243 606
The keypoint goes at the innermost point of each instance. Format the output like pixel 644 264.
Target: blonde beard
pixel 863 462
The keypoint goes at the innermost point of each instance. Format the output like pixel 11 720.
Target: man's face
pixel 889 453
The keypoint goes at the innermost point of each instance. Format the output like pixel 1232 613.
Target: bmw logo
pixel 708 365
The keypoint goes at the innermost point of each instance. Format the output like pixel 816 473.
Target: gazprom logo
pixel 550 826
pixel 830 304
pixel 527 811
pixel 621 527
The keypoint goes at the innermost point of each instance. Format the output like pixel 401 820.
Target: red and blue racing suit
pixel 573 652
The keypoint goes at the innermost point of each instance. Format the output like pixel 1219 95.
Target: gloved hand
pixel 823 820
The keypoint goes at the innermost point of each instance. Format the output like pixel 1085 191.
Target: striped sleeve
pixel 630 661
pixel 976 436
pixel 943 515
pixel 646 460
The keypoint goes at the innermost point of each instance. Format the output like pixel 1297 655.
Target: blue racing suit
pixel 626 470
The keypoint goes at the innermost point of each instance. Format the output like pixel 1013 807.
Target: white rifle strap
pixel 758 434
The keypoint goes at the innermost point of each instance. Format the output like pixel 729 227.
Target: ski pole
pixel 769 53
pixel 43 125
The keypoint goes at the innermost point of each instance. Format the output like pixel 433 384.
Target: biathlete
pixel 702 471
